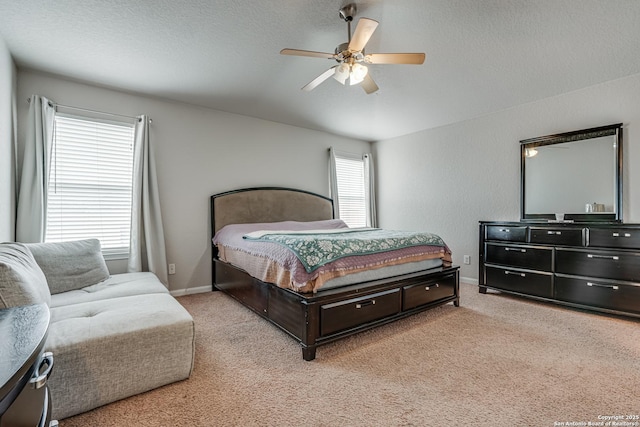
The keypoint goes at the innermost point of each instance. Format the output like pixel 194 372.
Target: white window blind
pixel 90 183
pixel 351 190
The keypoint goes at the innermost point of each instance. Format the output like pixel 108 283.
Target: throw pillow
pixel 70 265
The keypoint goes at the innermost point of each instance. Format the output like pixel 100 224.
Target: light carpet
pixel 496 360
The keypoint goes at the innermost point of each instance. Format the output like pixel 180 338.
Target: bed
pixel 323 306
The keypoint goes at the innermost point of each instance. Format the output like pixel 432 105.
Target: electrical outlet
pixel 172 269
pixel 467 259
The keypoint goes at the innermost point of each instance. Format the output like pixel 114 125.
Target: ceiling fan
pixel 351 56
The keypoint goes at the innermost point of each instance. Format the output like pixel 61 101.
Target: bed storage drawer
pixel 599 293
pixel 253 294
pixel 535 258
pixel 343 315
pixel 526 282
pixel 428 291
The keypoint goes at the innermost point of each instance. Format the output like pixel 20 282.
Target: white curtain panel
pixel 147 246
pixel 32 171
pixel 333 182
pixel 370 190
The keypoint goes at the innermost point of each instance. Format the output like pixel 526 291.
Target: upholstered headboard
pixel 268 204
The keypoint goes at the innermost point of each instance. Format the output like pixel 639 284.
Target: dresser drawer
pixel 557 236
pixel 354 312
pixel 504 232
pixel 533 258
pixel 428 291
pixel 598 293
pixel 614 265
pixel 614 238
pixel 538 284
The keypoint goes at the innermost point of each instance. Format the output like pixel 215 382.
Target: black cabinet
pixel 25 400
pixel 593 266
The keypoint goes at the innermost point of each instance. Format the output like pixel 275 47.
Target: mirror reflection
pixel 575 175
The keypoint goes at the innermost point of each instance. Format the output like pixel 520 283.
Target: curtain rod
pixel 93 111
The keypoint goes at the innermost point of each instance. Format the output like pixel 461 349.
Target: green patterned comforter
pixel 317 248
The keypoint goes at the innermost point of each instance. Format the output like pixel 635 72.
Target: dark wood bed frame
pixel 328 315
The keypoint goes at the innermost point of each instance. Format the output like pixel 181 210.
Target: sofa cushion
pixel 118 285
pixel 22 282
pixel 110 349
pixel 70 265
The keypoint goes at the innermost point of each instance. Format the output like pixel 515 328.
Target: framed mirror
pixel 572 177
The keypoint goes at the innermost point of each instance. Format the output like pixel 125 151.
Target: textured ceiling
pixel 482 55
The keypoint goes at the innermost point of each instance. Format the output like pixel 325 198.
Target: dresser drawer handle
pixel 517 274
pixel 504 230
pixel 614 258
pixel 366 303
pixel 515 250
pixel 614 287
pixel 426 288
pixel 554 232
pixel 618 234
pixel 39 379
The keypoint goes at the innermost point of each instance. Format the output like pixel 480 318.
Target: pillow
pixel 70 265
pixel 22 282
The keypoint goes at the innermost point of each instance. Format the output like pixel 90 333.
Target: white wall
pixel 447 179
pixel 7 145
pixel 201 152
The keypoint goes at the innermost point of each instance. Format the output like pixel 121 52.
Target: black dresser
pixel 588 266
pixel 25 400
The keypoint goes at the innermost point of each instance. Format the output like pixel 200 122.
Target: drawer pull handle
pixel 515 250
pixel 558 233
pixel 366 303
pixel 426 288
pixel 517 274
pixel 614 258
pixel 504 230
pixel 40 378
pixel 614 287
pixel 618 234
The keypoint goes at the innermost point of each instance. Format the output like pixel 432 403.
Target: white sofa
pixel 111 336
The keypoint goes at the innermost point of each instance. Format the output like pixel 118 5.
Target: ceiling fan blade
pixel 368 84
pixel 322 77
pixel 395 58
pixel 362 34
pixel 298 52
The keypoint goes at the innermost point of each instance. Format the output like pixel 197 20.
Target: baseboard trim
pixel 469 280
pixel 190 291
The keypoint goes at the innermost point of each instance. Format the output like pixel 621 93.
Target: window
pixel 90 183
pixel 352 189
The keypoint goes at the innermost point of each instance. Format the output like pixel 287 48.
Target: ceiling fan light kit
pixel 351 56
pixel 358 72
pixel 341 73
